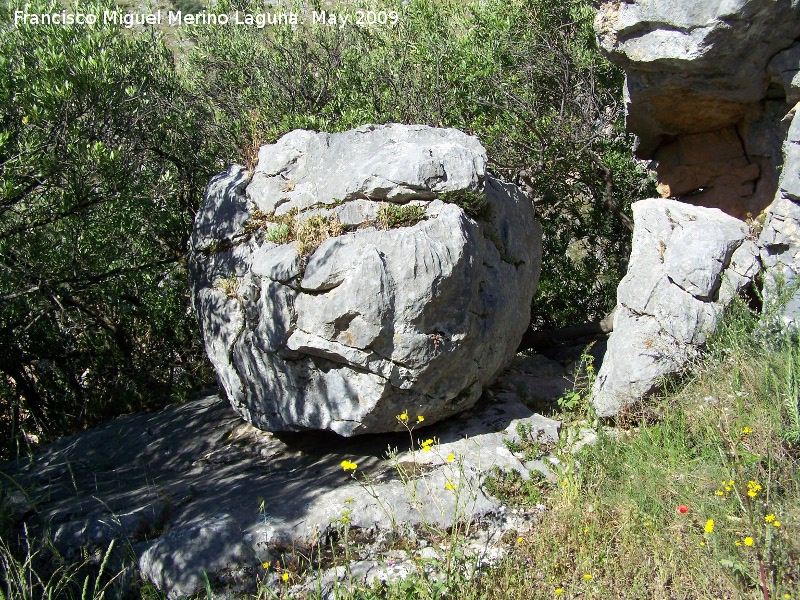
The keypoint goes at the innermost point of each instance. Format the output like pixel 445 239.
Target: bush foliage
pixel 109 138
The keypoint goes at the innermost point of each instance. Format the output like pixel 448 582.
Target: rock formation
pixel 687 262
pixel 359 275
pixel 711 91
pixel 780 238
pixel 707 86
pixel 192 490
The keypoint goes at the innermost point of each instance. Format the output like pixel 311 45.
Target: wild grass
pixel 35 571
pixel 698 496
pixel 474 204
pixel 391 216
pixel 309 232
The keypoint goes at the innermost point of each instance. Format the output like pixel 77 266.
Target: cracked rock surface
pixel 708 84
pixel 780 238
pixel 193 488
pixel 687 264
pixel 346 333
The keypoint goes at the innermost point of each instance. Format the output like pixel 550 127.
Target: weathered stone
pixel 176 562
pixel 707 86
pixel 784 70
pixel 374 321
pixel 686 264
pixel 712 167
pixel 711 55
pixel 780 238
pixel 194 488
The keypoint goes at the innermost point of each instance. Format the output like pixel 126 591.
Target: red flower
pixel 682 508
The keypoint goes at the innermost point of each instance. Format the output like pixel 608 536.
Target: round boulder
pixel 355 276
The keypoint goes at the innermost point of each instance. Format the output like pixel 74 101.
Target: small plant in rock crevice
pixel 391 216
pixel 309 232
pixel 229 285
pixel 474 204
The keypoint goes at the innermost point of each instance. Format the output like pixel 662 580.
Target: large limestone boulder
pixel 357 275
pixel 687 263
pixel 708 84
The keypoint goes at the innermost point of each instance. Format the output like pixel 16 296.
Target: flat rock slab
pixel 193 487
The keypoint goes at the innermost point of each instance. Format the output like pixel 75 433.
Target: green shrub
pixel 100 171
pixel 475 205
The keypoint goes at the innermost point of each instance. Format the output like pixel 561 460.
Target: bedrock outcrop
pixel 780 239
pixel 354 276
pixel 708 85
pixel 712 91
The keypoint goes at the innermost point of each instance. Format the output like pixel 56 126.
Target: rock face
pixel 686 264
pixel 711 89
pixel 318 312
pixel 708 84
pixel 780 238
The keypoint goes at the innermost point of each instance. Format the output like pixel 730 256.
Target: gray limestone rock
pixel 691 64
pixel 193 488
pixel 686 264
pixel 784 70
pixel 346 332
pixel 176 562
pixel 780 238
pixel 708 84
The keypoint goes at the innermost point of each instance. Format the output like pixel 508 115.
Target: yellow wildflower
pixel 776 524
pixel 420 418
pixel 587 576
pixel 738 543
pixel 451 457
pixel 769 518
pixel 449 486
pixel 349 465
pixel 520 540
pixel 285 576
pixel 403 416
pixel 731 482
pixel 558 591
pixel 709 526
pixel 747 430
pixel 753 488
pixel 719 493
pixel 345 519
pixel 748 541
pixel 265 564
pixel 702 544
